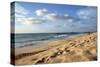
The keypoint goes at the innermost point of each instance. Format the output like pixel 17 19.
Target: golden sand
pixel 79 48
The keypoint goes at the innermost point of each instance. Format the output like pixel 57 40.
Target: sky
pixel 53 18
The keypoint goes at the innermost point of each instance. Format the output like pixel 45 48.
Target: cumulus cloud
pixel 20 10
pixel 19 13
pixel 37 21
pixel 21 16
pixel 41 12
pixel 88 16
pixel 87 13
pixel 88 19
pixel 55 16
pixel 66 15
pixel 30 21
pixel 52 16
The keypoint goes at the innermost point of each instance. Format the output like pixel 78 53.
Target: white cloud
pixel 19 15
pixel 22 18
pixel 20 10
pixel 70 20
pixel 66 15
pixel 41 12
pixel 37 21
pixel 51 16
pixel 57 17
pixel 87 13
pixel 88 19
pixel 29 21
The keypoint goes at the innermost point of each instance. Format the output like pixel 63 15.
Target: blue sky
pixel 54 18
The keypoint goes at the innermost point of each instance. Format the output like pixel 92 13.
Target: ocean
pixel 31 38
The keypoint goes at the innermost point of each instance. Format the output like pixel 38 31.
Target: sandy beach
pixel 74 49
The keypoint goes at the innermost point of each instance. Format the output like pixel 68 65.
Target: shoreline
pixel 83 47
pixel 35 43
